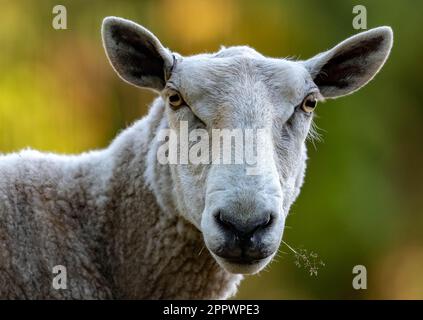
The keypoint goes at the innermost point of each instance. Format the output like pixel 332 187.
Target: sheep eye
pixel 175 99
pixel 309 103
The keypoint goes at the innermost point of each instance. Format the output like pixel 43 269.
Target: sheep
pixel 125 225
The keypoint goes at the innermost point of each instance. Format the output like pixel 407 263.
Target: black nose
pixel 243 229
pixel 243 236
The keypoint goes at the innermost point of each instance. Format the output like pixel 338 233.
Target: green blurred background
pixel 362 199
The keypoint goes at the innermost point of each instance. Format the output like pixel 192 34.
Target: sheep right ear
pixel 136 54
pixel 352 63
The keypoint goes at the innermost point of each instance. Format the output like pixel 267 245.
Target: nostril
pixel 220 219
pixel 269 220
pixel 264 223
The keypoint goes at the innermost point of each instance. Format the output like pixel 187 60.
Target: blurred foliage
pixel 362 200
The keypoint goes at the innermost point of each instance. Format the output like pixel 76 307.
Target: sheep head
pixel 265 105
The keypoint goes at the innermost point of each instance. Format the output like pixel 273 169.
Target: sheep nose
pixel 243 230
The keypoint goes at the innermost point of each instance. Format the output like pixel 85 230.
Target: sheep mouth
pixel 241 257
pixel 242 264
pixel 243 260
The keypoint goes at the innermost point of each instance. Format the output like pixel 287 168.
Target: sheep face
pixel 247 111
pixel 240 121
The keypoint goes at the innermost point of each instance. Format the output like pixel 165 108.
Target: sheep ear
pixel 352 63
pixel 136 54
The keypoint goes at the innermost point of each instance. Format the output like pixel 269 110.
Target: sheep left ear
pixel 136 54
pixel 351 64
